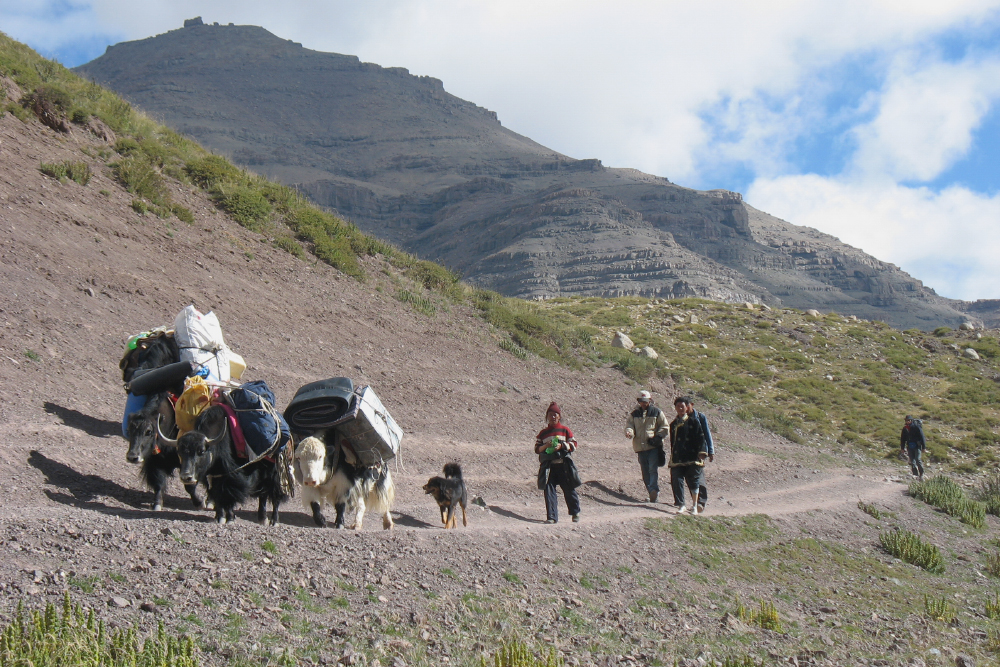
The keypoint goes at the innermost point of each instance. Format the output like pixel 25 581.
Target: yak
pixel 156 454
pixel 208 456
pixel 333 473
pixel 157 458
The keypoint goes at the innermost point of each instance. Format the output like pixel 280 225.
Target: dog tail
pixel 452 470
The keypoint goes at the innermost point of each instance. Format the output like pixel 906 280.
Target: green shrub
pixel 512 347
pixel 74 171
pixel 870 510
pixel 944 493
pixel 989 493
pixel 514 653
pixel 247 206
pixel 183 214
pixel 764 616
pixel 908 547
pixel 141 178
pixel 289 245
pixel 50 103
pixel 942 331
pixel 939 609
pixel 211 170
pixel 420 303
pixel 993 606
pixel 49 639
pixel 337 253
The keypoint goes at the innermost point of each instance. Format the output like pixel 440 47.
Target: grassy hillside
pixel 813 380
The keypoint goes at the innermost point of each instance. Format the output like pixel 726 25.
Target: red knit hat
pixel 553 407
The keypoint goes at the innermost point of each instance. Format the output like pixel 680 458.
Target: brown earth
pixel 81 271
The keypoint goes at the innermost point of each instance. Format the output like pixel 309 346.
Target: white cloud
pixel 927 114
pixel 948 239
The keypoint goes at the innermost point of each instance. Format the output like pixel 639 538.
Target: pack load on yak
pixel 199 340
pixel 354 417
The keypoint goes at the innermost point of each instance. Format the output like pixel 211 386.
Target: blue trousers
pixel 650 472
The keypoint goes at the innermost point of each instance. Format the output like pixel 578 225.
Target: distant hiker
pixel 647 426
pixel 555 445
pixel 703 420
pixel 912 443
pixel 688 451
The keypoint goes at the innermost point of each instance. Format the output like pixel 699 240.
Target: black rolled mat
pixel 145 382
pixel 318 405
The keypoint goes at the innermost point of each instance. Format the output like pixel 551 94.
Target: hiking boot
pixel 697 509
pixel 550 521
pixel 701 508
pixel 652 496
pixel 576 518
pixel 683 509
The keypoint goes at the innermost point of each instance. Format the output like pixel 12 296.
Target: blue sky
pixel 875 121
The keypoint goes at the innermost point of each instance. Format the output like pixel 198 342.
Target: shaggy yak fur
pixel 208 456
pixel 449 492
pixel 157 456
pixel 333 474
pixel 145 447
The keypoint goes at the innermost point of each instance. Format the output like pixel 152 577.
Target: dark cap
pixel 553 407
pixel 908 418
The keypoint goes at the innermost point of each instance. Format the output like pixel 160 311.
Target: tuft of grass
pixel 514 653
pixel 764 616
pixel 512 578
pixel 942 492
pixel 938 609
pixel 52 639
pixel 993 564
pixel 32 355
pixel 989 493
pixel 247 205
pixel 993 606
pixel 421 304
pixel 870 510
pixel 61 171
pixel 908 547
pixel 270 547
pixel 139 177
pixel 289 245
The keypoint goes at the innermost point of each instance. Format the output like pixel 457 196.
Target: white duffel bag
pixel 199 339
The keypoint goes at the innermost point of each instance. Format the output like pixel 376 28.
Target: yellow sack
pixel 196 397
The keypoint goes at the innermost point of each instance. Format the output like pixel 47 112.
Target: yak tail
pixel 452 470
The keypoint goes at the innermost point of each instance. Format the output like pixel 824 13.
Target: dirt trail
pixel 80 271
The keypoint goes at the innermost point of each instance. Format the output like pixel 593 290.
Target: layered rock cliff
pixel 441 177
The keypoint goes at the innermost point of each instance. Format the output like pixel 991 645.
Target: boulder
pixel 649 353
pixel 748 305
pixel 765 307
pixel 622 341
pixel 812 312
pixel 679 319
pixel 694 319
pixel 966 326
pixel 99 129
pixel 971 354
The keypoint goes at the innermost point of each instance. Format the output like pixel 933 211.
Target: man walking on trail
pixel 912 442
pixel 688 451
pixel 703 420
pixel 647 426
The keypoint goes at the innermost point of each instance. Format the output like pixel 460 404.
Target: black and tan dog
pixel 449 491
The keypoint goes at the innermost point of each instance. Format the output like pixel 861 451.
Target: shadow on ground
pixel 99 428
pixel 75 489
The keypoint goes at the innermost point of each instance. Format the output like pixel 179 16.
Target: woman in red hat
pixel 555 445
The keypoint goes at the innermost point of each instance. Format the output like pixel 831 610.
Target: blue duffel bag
pixel 262 424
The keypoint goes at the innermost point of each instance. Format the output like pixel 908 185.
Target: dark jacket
pixel 708 433
pixel 913 433
pixel 687 441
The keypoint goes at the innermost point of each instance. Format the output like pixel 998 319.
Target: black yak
pixel 207 455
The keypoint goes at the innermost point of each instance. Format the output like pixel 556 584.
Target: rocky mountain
pixel 442 178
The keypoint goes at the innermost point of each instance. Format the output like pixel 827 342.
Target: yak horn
pixel 159 432
pixel 218 438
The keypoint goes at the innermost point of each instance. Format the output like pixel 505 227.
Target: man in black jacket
pixel 913 443
pixel 688 451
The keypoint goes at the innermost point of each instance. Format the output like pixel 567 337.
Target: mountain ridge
pixel 442 178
